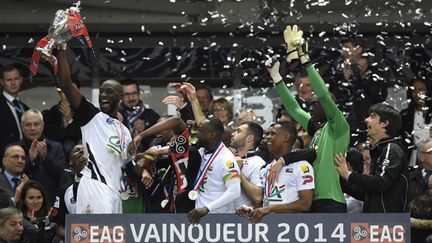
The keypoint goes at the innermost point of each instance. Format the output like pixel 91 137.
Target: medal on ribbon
pixel 193 195
pixel 267 187
pixel 124 192
pixel 164 203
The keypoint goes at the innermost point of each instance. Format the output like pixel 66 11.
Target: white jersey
pixel 292 178
pixel 251 170
pixel 69 200
pixel 222 174
pixel 105 139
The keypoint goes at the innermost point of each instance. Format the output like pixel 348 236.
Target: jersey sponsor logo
pixel 113 144
pixel 229 164
pixel 307 179
pixel 109 121
pixel 231 175
pixel 276 193
pixel 289 170
pixel 202 186
pixel 304 168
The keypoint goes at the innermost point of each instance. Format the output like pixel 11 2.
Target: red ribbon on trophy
pixel 36 56
pixel 66 25
pixel 77 27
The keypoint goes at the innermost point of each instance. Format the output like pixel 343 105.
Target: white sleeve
pixel 261 176
pixel 305 176
pixel 255 177
pixel 229 172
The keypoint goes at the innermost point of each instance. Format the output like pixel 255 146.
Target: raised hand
pixel 293 38
pixel 303 53
pixel 65 109
pixel 342 166
pixel 272 65
pixel 33 153
pixel 174 100
pixel 19 188
pixel 41 148
pixel 189 90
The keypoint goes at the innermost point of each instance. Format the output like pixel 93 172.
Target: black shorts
pixel 328 206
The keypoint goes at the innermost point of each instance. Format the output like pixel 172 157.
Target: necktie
pixel 15 181
pixel 18 109
pixel 426 178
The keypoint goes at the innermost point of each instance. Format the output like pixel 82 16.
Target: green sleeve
pixel 291 105
pixel 335 117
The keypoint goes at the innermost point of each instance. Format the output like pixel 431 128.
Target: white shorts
pixel 95 197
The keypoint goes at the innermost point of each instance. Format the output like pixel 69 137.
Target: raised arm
pixel 321 91
pixel 190 92
pixel 335 117
pixel 288 100
pixel 175 123
pixel 72 93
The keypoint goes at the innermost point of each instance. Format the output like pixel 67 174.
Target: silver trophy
pixel 58 32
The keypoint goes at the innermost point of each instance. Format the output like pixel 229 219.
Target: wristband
pixel 276 77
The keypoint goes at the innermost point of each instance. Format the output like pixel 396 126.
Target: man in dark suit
pixel 136 116
pixel 45 159
pixel 13 163
pixel 11 108
pixel 420 175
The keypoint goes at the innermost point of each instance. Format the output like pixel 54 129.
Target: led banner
pixel 349 228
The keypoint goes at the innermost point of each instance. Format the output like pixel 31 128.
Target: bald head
pixel 9 149
pixel 114 84
pixel 14 160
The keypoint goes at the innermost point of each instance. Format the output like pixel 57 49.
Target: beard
pixel 237 144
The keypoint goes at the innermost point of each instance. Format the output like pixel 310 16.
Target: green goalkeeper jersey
pixel 329 140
